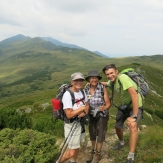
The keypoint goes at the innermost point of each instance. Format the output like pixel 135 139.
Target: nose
pixel 108 75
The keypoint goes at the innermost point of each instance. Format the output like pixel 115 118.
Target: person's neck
pixel 93 87
pixel 75 89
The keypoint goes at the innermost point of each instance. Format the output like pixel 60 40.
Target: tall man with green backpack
pixel 129 104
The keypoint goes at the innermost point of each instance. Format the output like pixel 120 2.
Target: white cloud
pixel 108 26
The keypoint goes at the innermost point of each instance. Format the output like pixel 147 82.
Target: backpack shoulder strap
pixel 82 91
pixel 82 97
pixel 102 90
pixel 72 95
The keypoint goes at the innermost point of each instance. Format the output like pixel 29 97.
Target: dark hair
pixel 108 67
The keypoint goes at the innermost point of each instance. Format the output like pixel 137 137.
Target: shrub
pixel 11 118
pixel 48 125
pixel 150 111
pixel 159 113
pixel 27 146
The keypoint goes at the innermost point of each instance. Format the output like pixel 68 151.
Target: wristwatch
pixel 133 116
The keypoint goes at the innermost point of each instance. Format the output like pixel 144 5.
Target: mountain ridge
pixel 59 43
pixel 21 37
pixel 32 70
pixel 18 37
pixel 31 54
pixel 100 54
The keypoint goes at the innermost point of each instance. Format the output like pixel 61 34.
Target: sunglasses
pixel 78 80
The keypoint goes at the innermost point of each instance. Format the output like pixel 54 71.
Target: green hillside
pixel 31 71
pixel 32 67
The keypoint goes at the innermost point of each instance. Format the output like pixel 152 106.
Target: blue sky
pixel 113 27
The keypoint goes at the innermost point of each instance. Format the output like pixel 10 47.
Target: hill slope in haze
pixel 32 70
pixel 21 56
pixel 100 54
pixel 34 65
pixel 59 43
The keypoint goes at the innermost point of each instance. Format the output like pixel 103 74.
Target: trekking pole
pixel 68 138
pixel 97 124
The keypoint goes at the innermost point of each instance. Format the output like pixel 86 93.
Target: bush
pixel 48 125
pixel 150 111
pixel 159 113
pixel 11 118
pixel 21 103
pixel 27 146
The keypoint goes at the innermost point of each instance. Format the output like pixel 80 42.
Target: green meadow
pixel 31 71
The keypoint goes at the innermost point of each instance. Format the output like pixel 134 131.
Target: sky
pixel 116 28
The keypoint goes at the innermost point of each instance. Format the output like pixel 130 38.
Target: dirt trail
pixel 106 158
pixel 109 142
pixel 86 149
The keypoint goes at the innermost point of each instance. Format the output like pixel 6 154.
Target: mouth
pixel 79 85
pixel 112 79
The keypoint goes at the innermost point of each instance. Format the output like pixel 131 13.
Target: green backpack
pixel 138 79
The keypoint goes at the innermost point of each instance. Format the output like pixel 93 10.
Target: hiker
pixel 129 107
pixel 74 113
pixel 99 115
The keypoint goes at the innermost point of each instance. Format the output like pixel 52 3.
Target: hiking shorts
pixel 121 118
pixel 75 137
pixel 98 128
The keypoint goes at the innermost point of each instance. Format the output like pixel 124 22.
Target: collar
pixel 97 87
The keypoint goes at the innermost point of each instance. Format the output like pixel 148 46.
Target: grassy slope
pixel 33 69
pixel 34 74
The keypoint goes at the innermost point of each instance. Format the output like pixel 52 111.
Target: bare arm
pixel 86 107
pixel 70 113
pixel 85 111
pixel 82 111
pixel 135 100
pixel 104 83
pixel 107 101
pixel 86 84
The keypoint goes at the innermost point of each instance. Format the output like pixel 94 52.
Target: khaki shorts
pixel 98 128
pixel 121 118
pixel 75 137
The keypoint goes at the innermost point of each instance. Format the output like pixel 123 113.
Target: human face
pixel 111 74
pixel 93 80
pixel 77 84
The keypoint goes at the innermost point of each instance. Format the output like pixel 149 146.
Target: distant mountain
pixel 21 37
pixel 59 43
pixel 25 56
pixel 21 43
pixel 100 54
pixel 18 37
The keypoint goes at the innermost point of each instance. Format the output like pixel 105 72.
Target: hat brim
pixel 77 78
pixel 87 78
